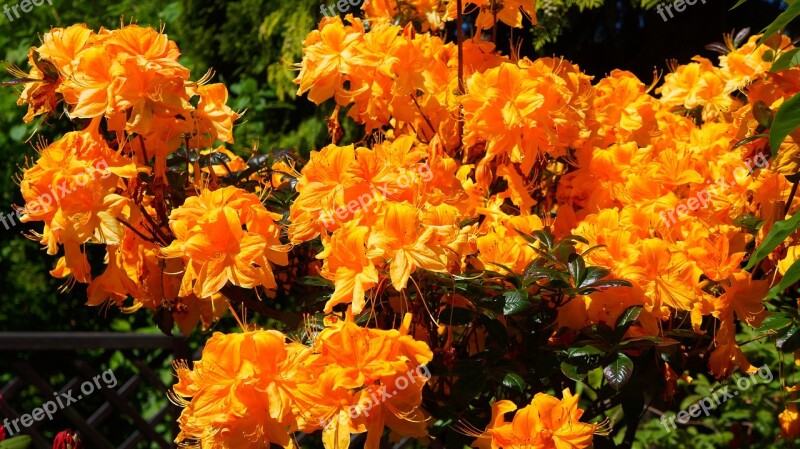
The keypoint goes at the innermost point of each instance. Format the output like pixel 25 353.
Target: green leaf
pixel 787 119
pixel 534 273
pixel 516 301
pixel 619 371
pixel 594 274
pixel 747 140
pixel 517 278
pixel 650 341
pixel 563 250
pixel 19 442
pixel 589 250
pixel 514 381
pixel 583 351
pixel 779 23
pixel 787 59
pixel 749 222
pixel 774 323
pixel 577 268
pixel 612 283
pixel 779 232
pixel 738 4
pixel 316 280
pixel 543 237
pixel 792 275
pixel 628 317
pixel 789 339
pixel 576 238
pixel 571 371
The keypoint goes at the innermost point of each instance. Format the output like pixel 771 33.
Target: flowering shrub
pixel 506 227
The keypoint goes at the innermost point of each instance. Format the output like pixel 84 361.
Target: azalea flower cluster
pixel 546 422
pixel 467 154
pixel 607 157
pixel 616 195
pixel 257 388
pixel 133 103
pixel 432 14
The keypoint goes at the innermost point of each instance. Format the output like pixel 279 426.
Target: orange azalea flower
pixel 225 236
pixel 406 243
pixel 742 299
pixel 358 388
pixel 347 265
pixel 547 423
pixel 72 188
pixel 328 52
pixel 242 392
pixel 789 418
pixel 214 119
pixel 509 12
pixel 94 85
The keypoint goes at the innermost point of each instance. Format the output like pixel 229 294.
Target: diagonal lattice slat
pixel 34 360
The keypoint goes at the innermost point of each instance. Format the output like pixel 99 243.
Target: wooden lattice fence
pixel 31 360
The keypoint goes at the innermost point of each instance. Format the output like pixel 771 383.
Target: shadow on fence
pixel 48 367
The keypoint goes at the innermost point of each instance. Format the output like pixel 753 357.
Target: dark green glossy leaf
pixel 619 371
pixel 787 59
pixel 594 274
pixel 544 237
pixel 787 119
pixel 780 231
pixel 612 283
pixel 789 338
pixel 779 23
pixel 514 381
pixel 747 140
pixel 791 276
pixel 577 269
pixel 516 301
pixel 628 317
pixel 583 351
pixel 572 372
pixel 774 323
pixel 650 341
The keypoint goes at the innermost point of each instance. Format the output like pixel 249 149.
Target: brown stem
pixel 135 231
pixel 157 230
pixel 238 295
pixel 144 149
pixel 791 197
pixel 427 120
